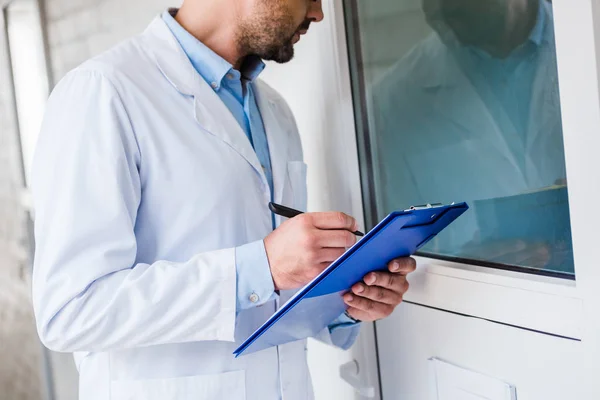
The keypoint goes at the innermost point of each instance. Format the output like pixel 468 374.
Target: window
pixel 460 102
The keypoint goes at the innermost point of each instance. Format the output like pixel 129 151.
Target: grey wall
pixel 80 29
pixel 20 362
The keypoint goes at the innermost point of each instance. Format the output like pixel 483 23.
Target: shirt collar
pixel 252 67
pixel 212 67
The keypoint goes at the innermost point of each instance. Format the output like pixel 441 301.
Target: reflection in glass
pixel 471 112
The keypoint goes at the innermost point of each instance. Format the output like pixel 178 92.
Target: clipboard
pixel 314 307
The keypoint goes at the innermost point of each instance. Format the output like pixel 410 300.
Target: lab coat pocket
pixel 228 385
pixel 297 182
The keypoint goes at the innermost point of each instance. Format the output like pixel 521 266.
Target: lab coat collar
pixel 210 112
pixel 171 59
pixel 277 129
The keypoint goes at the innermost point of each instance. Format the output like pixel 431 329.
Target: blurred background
pixel 39 42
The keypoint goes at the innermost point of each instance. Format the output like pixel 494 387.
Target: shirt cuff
pixel 253 276
pixel 344 331
pixel 342 322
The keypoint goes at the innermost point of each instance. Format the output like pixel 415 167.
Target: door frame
pixel 559 307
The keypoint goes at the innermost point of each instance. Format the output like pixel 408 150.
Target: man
pixel 473 113
pixel 156 254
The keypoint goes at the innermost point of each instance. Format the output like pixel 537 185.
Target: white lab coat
pixel 144 184
pixel 437 140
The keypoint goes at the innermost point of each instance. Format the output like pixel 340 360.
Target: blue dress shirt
pixel 254 281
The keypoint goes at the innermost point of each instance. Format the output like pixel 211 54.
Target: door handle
pixel 349 372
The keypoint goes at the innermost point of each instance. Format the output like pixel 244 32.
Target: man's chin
pixel 282 55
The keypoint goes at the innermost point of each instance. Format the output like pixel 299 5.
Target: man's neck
pixel 214 24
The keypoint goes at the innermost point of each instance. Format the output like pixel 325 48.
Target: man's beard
pixel 279 54
pixel 270 37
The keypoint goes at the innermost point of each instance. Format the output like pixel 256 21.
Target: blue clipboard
pixel 314 307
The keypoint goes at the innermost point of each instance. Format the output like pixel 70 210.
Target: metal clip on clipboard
pixel 425 206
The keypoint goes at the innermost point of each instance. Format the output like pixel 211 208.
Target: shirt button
pixel 230 76
pixel 253 298
pixel 214 85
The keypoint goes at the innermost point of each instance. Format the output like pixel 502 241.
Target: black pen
pixel 291 213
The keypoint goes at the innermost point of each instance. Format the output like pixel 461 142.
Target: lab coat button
pixel 253 298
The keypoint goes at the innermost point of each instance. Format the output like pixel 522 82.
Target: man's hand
pixel 303 246
pixel 380 292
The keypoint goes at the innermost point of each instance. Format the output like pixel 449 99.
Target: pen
pixel 291 213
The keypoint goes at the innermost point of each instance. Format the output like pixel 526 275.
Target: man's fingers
pixel 394 282
pixel 329 255
pixel 378 294
pixel 333 220
pixel 403 266
pixel 374 309
pixel 360 314
pixel 335 238
pixel 381 292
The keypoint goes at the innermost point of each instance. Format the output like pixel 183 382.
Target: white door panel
pixel 541 367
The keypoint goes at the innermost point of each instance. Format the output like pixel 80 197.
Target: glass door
pixel 459 102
